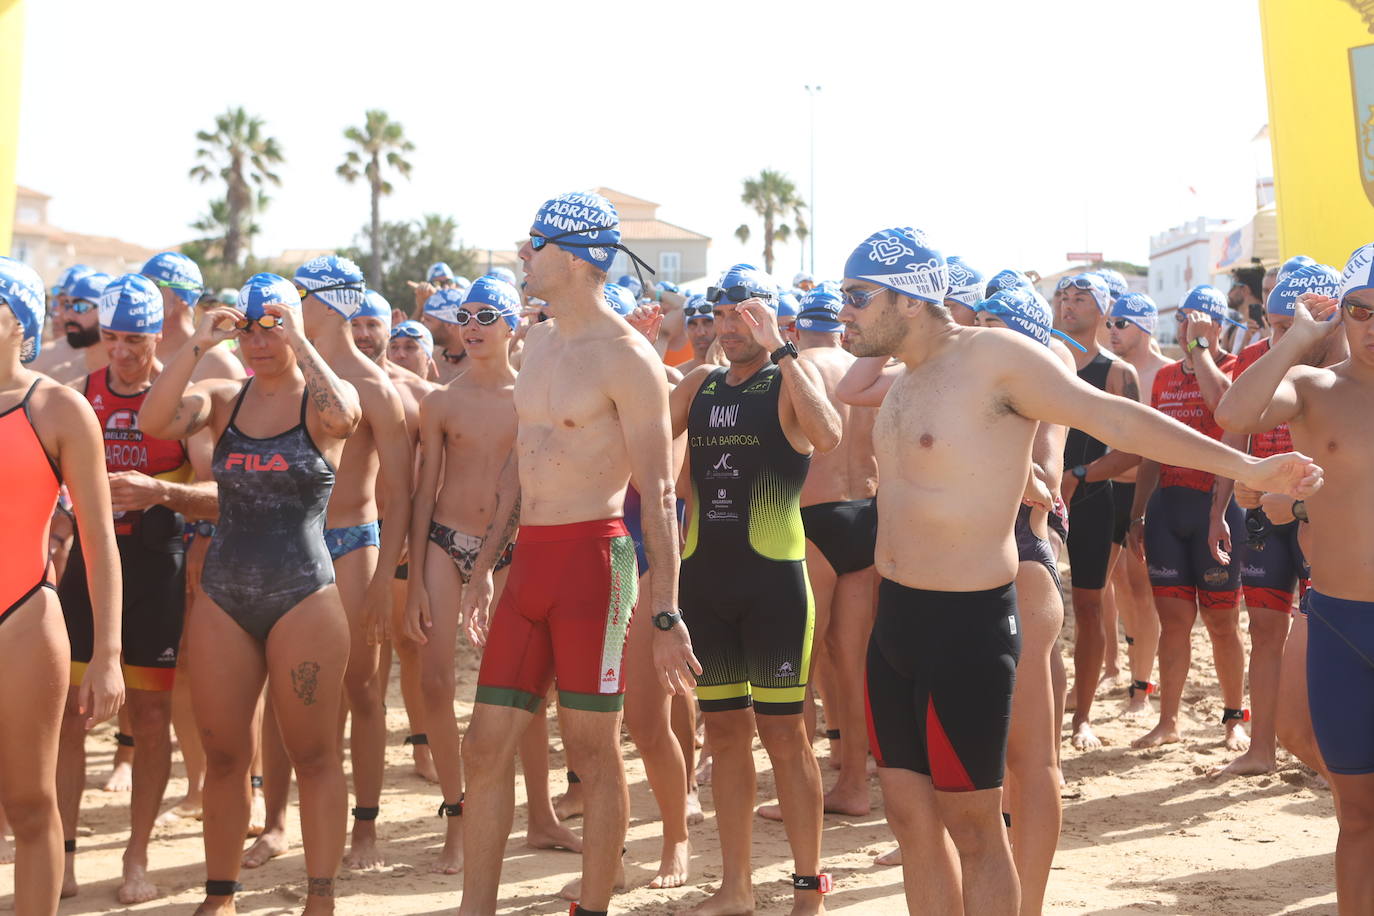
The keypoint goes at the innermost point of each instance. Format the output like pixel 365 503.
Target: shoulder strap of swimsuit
pixel 305 394
pixel 28 394
pixel 238 402
pixel 28 415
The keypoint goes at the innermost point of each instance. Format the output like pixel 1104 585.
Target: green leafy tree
pixel 379 141
pixel 773 197
pixel 215 226
pixel 405 252
pixel 238 152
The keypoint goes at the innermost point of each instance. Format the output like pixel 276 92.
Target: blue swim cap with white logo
pixel 131 304
pixel 1308 278
pixel 903 261
pixel 494 292
pixel 789 304
pixel 174 271
pixel 1094 283
pixel 266 289
pixel 69 276
pixel 1139 309
pixel 697 306
pixel 336 280
pixel 820 311
pixel 444 304
pixel 89 286
pixel 1359 271
pixel 418 331
pixel 1209 301
pixel 1024 311
pixel 505 274
pixel 1293 263
pixel 632 285
pixel 374 306
pixel 620 299
pixel 22 290
pixel 965 283
pixel 438 271
pixel 1116 283
pixel 1005 279
pixel 581 218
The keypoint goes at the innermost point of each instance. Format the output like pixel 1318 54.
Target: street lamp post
pixel 811 93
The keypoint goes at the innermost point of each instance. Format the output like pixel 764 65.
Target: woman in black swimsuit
pixel 270 605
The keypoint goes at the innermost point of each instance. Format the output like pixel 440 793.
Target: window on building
pixel 21 251
pixel 670 266
pixel 620 266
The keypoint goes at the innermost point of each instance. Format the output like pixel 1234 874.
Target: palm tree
pixel 380 138
pixel 773 196
pixel 239 152
pixel 215 224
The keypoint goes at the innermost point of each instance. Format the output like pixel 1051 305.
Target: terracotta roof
pixel 30 192
pixel 657 230
pixel 104 245
pixel 619 197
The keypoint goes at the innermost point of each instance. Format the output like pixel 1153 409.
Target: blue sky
pixel 1011 132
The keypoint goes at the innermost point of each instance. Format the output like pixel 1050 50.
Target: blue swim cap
pixel 621 300
pixel 1137 308
pixel 438 271
pixel 756 282
pixel 1093 283
pixel 89 286
pixel 1116 283
pixel 1208 300
pixel 789 304
pixel 336 280
pixel 1025 311
pixel 265 289
pixel 494 292
pixel 178 273
pixel 1308 278
pixel 820 311
pixel 1359 271
pixel 965 283
pixel 69 276
pixel 22 290
pixel 1293 263
pixel 418 331
pixel 632 285
pixel 902 260
pixel 1005 279
pixel 374 306
pixel 504 274
pixel 131 304
pixel 444 304
pixel 462 282
pixel 589 217
pixel 696 307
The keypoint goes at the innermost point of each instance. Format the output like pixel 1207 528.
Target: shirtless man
pixel 592 416
pixel 701 331
pixel 59 351
pixel 365 558
pixel 945 643
pixel 151 491
pixel 1327 410
pixel 80 320
pixel 412 347
pixel 1087 490
pixel 965 291
pixel 1130 335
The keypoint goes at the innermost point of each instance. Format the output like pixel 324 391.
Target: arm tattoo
pixel 1131 390
pixel 305 679
pixel 195 351
pixel 320 386
pixel 321 887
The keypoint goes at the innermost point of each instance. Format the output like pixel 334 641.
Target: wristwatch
pixel 1300 510
pixel 787 349
pixel 1080 471
pixel 666 620
pixel 1199 343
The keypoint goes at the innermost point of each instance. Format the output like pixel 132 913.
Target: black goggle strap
pixel 638 261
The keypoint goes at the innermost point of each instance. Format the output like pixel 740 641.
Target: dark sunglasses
pixel 81 306
pixel 1359 312
pixel 483 316
pixel 733 294
pixel 699 311
pixel 859 298
pixel 266 322
pixel 324 289
pixel 1119 323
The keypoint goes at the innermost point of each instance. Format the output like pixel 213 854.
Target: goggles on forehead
pixel 538 243
pixel 306 291
pixel 1075 282
pixel 180 284
pixel 736 293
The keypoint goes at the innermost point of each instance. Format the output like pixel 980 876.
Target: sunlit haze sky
pixel 1012 132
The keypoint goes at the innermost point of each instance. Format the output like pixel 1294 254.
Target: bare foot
pixel 694 813
pixel 268 845
pixel 216 906
pixel 1111 680
pixel 257 815
pixel 121 778
pixel 6 851
pixel 1253 762
pixel 673 870
pixel 892 857
pixel 573 889
pixel 181 811
pixel 450 861
pixel 569 804
pixel 704 771
pixel 136 887
pixel 1083 737
pixel 1160 734
pixel 362 849
pixel 807 903
pixel 1236 738
pixel 1137 706
pixel 769 812
pixel 555 836
pixel 850 802
pixel 723 903
pixel 69 886
pixel 835 752
pixel 424 763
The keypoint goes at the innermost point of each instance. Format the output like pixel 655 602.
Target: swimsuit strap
pixel 238 402
pixel 304 395
pixel 24 405
pixel 28 394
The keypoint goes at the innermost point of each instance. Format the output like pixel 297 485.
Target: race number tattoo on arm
pixel 305 680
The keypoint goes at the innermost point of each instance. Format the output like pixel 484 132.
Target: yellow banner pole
pixel 11 60
pixel 1319 67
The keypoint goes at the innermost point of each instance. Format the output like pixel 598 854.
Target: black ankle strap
pixel 577 909
pixel 820 883
pixel 421 738
pixel 1144 687
pixel 365 814
pixel 124 740
pixel 573 778
pixel 453 810
pixel 1130 640
pixel 832 734
pixel 69 845
pixel 1228 714
pixel 255 781
pixel 222 888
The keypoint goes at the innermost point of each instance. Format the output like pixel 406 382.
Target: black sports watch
pixel 666 620
pixel 787 349
pixel 1080 471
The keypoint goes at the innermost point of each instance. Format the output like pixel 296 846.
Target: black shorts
pixel 1180 561
pixel 153 564
pixel 1271 562
pixel 751 624
pixel 941 668
pixel 1033 549
pixel 845 532
pixel 1090 534
pixel 1123 498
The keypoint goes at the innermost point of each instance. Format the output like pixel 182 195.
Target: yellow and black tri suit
pixel 743 589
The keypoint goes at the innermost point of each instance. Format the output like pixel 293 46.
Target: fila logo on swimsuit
pixel 255 462
pixel 723 416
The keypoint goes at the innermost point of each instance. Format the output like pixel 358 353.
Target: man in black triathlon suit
pixel 1083 301
pixel 752 427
